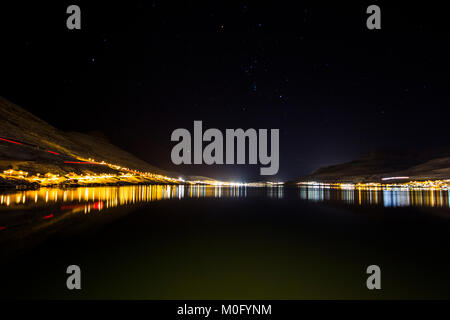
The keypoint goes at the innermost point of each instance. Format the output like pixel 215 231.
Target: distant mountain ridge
pixel 425 165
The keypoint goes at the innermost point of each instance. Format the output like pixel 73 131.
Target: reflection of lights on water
pixel 97 198
pixel 275 191
pixel 48 216
pixel 395 198
pixel 392 197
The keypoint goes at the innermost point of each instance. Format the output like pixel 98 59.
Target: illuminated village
pixel 125 176
pixel 410 185
pixel 129 176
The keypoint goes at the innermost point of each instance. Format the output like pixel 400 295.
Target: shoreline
pixel 410 185
pixel 75 185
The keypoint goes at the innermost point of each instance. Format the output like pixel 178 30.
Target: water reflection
pixel 98 198
pixel 36 206
pixel 275 192
pixel 378 196
pixel 47 203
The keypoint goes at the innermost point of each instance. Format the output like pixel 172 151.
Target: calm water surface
pixel 188 242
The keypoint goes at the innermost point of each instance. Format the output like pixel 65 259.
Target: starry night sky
pixel 137 71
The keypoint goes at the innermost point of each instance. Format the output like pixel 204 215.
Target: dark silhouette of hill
pixel 432 164
pixel 30 144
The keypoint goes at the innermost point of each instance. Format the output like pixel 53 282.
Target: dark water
pixel 166 242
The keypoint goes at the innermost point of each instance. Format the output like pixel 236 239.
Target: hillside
pixel 418 166
pixel 31 145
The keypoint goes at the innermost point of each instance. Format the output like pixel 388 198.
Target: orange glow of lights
pixel 81 162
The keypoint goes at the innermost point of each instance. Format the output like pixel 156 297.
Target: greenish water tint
pixel 167 242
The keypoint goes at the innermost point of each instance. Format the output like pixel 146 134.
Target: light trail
pixel 53 152
pixel 10 141
pixel 394 178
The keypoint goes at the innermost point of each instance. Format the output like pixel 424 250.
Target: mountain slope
pixel 429 165
pixel 30 144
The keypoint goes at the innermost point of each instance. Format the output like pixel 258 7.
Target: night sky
pixel 138 70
